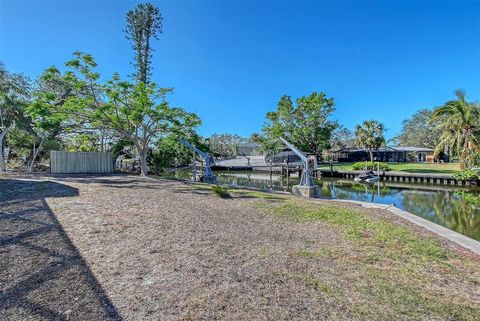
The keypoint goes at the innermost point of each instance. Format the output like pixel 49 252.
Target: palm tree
pixel 369 135
pixel 459 121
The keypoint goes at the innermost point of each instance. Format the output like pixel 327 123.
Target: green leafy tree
pixel 119 148
pixel 459 122
pixel 341 138
pixel 305 125
pixel 169 152
pixel 225 145
pixel 370 135
pixel 418 131
pixel 20 141
pixel 143 24
pixel 137 112
pixel 15 92
pixel 84 142
pixel 49 117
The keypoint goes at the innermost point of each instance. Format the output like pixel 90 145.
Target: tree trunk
pixel 371 154
pixel 2 159
pixel 35 154
pixel 143 161
pixel 463 155
pixel 132 167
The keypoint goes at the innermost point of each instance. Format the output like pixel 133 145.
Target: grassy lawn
pixel 386 270
pixel 434 168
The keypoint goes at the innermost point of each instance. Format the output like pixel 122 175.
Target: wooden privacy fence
pixel 81 162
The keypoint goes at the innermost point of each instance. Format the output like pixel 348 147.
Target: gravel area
pixel 124 247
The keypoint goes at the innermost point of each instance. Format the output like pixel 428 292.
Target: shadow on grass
pixel 236 193
pixel 176 185
pixel 257 195
pixel 191 190
pixel 43 276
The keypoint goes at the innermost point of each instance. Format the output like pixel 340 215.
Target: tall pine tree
pixel 143 24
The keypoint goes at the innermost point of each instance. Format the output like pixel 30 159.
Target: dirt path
pixel 164 250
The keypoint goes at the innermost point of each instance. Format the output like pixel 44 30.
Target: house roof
pixel 385 149
pixel 357 150
pixel 252 145
pixel 283 156
pixel 412 149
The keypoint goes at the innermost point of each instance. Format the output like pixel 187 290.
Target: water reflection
pixel 454 207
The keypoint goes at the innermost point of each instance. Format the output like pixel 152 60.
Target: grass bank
pixel 425 168
pixel 383 270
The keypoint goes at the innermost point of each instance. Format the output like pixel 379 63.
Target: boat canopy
pixel 284 157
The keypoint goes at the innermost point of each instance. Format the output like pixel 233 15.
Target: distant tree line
pixel 452 128
pixel 76 110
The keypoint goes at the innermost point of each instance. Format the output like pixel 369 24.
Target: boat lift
pixel 208 177
pixel 307 186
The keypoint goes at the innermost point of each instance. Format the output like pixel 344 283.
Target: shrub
pixel 221 191
pixel 373 166
pixel 466 175
pixel 469 197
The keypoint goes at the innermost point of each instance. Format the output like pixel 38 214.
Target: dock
pixel 395 176
pixel 258 164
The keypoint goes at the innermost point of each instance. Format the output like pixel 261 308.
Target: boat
pixel 367 177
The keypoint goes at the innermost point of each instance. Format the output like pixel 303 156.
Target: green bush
pixel 373 166
pixel 469 197
pixel 221 191
pixel 466 175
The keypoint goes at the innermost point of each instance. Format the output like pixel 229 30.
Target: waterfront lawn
pixel 425 168
pixel 380 269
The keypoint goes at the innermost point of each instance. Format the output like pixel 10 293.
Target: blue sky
pixel 230 62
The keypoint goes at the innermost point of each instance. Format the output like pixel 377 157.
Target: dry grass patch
pixel 171 250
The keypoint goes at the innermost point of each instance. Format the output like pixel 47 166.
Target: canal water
pixel 457 208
